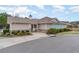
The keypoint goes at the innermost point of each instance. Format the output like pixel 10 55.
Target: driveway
pixel 59 44
pixel 9 41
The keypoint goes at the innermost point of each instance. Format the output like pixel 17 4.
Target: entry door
pixel 31 27
pixel 34 27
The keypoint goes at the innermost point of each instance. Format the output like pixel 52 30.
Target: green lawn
pixel 69 33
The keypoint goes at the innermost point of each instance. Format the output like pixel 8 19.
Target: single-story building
pixel 17 23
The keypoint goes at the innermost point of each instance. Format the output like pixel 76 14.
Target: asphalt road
pixel 59 44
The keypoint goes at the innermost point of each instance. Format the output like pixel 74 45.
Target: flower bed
pixel 16 33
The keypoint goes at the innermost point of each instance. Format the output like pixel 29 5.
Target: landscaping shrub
pixel 28 33
pixel 6 31
pixel 65 29
pixel 27 30
pixel 15 32
pixel 54 31
pixel 21 32
pixel 7 34
pixel 18 31
pixel 58 30
pixel 61 30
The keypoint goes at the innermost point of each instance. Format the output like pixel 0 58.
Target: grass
pixel 70 32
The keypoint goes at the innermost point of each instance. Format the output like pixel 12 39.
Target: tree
pixel 3 22
pixel 3 19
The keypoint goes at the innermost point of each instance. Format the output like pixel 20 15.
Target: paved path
pixel 5 41
pixel 59 44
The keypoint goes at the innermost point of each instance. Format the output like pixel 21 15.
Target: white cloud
pixel 33 12
pixel 74 9
pixel 6 9
pixel 20 10
pixel 58 7
pixel 10 13
pixel 40 6
pixel 66 12
pixel 2 8
pixel 23 11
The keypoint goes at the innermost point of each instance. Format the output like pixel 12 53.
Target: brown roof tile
pixel 44 20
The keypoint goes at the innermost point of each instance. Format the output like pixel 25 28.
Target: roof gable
pixel 44 20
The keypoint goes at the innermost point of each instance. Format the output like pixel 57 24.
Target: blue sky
pixel 62 12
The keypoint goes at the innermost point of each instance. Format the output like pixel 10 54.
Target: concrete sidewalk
pixel 6 42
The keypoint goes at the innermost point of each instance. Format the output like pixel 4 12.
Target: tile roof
pixel 45 20
pixel 48 20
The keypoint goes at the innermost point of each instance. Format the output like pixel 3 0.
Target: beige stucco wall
pixel 20 26
pixel 56 26
pixel 43 26
pixel 48 26
pixel 9 20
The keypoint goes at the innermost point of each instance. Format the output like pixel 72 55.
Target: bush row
pixel 6 31
pixel 54 31
pixel 20 33
pixel 17 33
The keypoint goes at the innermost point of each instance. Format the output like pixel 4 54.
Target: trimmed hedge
pixel 21 32
pixel 54 31
pixel 51 31
pixel 27 31
pixel 6 31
